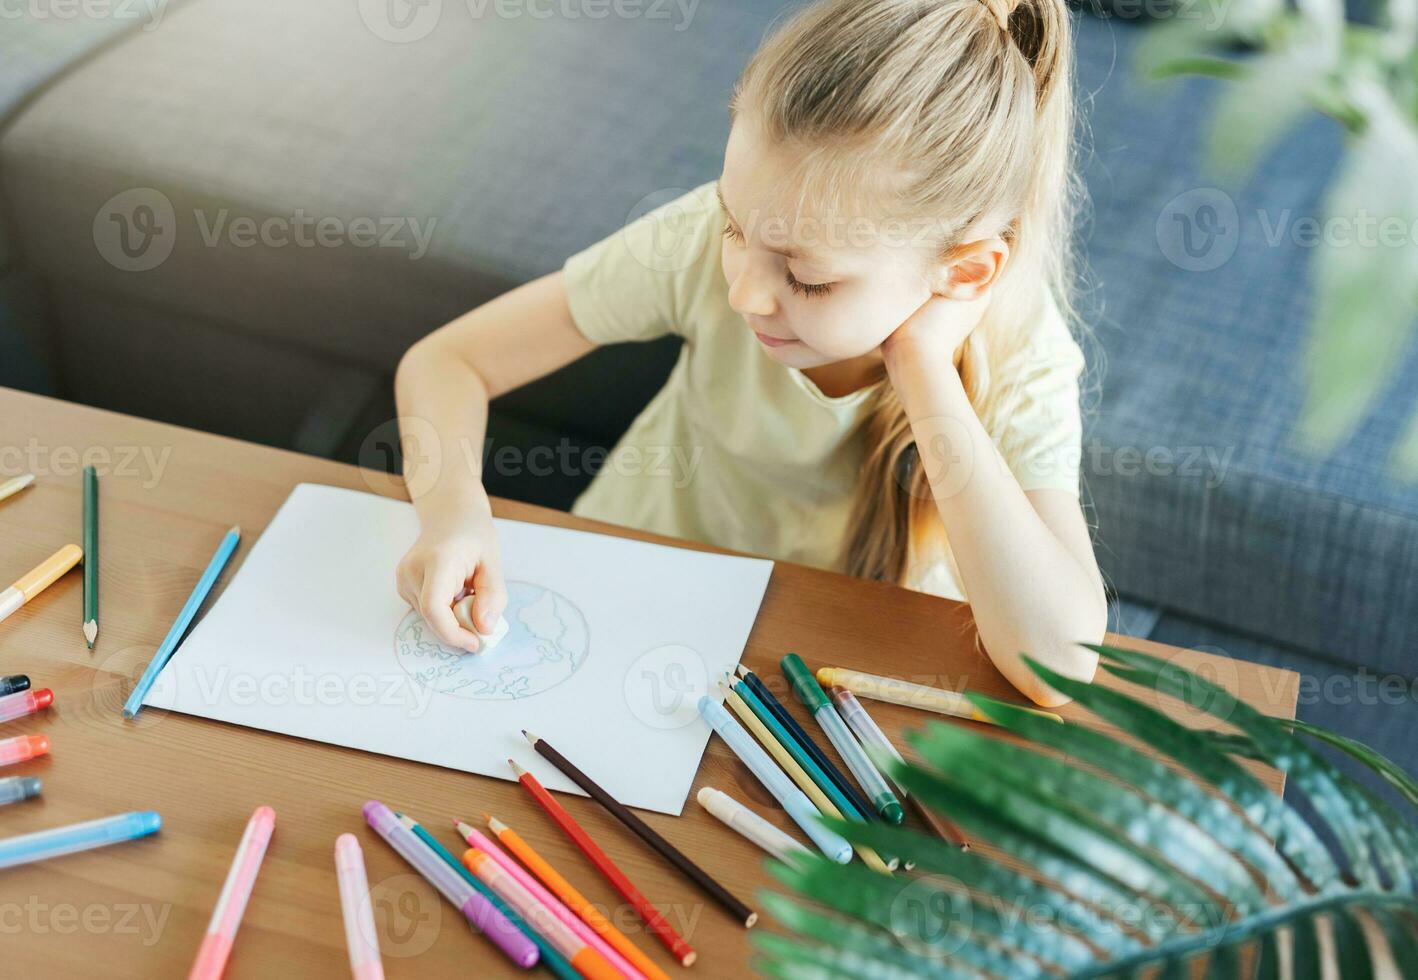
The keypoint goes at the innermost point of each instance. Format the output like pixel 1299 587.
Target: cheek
pixel 847 326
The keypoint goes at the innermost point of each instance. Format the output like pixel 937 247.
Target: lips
pixel 768 341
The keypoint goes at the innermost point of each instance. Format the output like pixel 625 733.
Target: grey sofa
pixel 449 159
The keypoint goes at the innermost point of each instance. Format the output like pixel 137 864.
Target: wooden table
pixel 139 909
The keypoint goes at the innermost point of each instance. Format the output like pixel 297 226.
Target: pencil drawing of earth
pixel 546 642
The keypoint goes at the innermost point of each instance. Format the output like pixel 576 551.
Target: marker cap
pixel 37 745
pixel 30 787
pixel 43 698
pixel 805 686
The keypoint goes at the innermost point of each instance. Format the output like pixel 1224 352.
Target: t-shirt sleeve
pixel 1038 423
pixel 640 283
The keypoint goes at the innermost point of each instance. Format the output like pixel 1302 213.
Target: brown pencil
pixel 667 850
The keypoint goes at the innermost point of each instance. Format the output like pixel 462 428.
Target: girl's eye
pixel 807 288
pixel 732 233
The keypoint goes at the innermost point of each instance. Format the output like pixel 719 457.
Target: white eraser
pixel 490 640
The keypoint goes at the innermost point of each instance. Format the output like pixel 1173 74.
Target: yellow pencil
pixel 795 772
pixel 14 485
pixel 39 578
pixel 894 691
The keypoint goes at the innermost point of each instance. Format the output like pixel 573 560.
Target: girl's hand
pixel 447 558
pixel 935 333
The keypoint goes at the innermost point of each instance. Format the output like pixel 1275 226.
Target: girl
pixel 876 373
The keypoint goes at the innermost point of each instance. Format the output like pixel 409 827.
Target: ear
pixel 968 271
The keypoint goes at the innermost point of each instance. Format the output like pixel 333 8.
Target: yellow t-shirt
pixel 742 452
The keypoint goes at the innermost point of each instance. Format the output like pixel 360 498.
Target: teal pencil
pixel 814 771
pixel 551 959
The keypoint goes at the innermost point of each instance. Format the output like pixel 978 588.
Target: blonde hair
pixel 964 110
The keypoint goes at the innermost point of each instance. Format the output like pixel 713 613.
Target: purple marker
pixel 483 915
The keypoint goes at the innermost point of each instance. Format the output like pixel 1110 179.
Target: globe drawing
pixel 547 641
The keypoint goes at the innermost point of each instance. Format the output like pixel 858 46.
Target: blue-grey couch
pixel 515 140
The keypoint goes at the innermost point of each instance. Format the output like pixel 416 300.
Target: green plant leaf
pixel 1356 826
pixel 1351 946
pixel 1295 838
pixel 1366 295
pixel 1387 769
pixel 1113 809
pixel 1149 776
pixel 1262 103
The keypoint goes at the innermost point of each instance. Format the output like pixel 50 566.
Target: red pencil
pixel 662 929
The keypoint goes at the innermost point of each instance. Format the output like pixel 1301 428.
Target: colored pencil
pixel 792 799
pixel 663 930
pixel 480 912
pixel 790 724
pixel 13 789
pixel 871 736
pixel 911 695
pixel 796 773
pixel 586 960
pixel 134 704
pixel 236 892
pixel 45 844
pixel 550 958
pixel 573 899
pixel 815 699
pixel 799 754
pixel 15 484
pixel 361 938
pixel 477 840
pixel 39 578
pixel 740 819
pixel 90 555
pixel 668 851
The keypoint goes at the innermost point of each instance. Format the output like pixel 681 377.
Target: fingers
pixel 489 595
pixel 435 602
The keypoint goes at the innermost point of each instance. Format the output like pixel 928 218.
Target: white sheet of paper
pixel 612 643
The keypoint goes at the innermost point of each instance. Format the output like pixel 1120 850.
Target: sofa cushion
pixel 1205 503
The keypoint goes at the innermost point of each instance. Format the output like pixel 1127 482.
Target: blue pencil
pixel 847 788
pixel 184 619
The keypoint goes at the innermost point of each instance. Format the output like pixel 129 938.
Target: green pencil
pixel 90 555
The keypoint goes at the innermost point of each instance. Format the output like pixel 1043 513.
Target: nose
pixel 751 289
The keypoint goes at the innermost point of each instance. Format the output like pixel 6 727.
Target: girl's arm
pixel 442 387
pixel 1026 559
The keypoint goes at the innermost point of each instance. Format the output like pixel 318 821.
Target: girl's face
pixel 816 288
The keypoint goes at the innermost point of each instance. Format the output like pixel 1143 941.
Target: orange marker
pixel 572 898
pixel 22 748
pixel 35 581
pixel 585 960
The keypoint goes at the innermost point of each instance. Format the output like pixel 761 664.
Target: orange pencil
pixel 572 898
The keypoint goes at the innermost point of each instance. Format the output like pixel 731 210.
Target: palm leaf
pixel 1136 868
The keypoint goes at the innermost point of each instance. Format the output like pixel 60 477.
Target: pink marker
pixel 25 703
pixel 226 917
pixel 568 918
pixel 360 937
pixel 22 748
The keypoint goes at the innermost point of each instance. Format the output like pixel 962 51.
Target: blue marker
pixel 792 799
pixel 77 837
pixel 184 619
